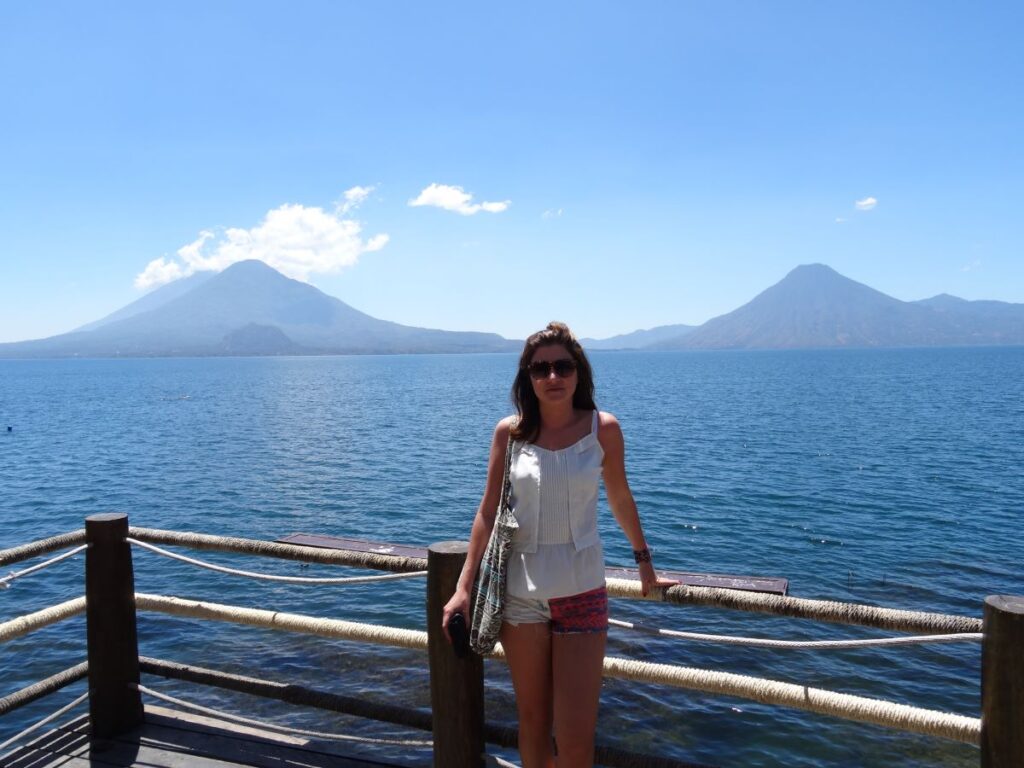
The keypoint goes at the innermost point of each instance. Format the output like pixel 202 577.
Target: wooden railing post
pixel 1002 683
pixel 456 685
pixel 113 648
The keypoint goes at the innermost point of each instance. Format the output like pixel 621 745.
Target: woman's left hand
pixel 649 579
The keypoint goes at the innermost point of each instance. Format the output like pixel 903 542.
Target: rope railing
pixel 801 608
pixel 30 622
pixel 41 547
pixel 793 607
pixel 757 642
pixel 955 727
pixel 274 577
pixel 202 541
pixel 819 701
pixel 5 581
pixel 930 627
pixel 845 706
pixel 42 688
pixel 338 629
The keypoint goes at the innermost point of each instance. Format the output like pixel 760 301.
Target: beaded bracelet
pixel 642 555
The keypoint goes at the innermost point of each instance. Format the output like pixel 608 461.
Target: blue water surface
pixel 884 477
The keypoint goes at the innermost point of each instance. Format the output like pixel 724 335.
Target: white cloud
pixel 294 239
pixel 353 198
pixel 866 204
pixel 192 254
pixel 456 199
pixel 971 266
pixel 840 220
pixel 552 213
pixel 158 272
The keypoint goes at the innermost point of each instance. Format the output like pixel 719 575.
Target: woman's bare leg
pixel 528 649
pixel 576 664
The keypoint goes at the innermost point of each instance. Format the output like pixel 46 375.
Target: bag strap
pixel 506 481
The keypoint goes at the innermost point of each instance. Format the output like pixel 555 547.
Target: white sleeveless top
pixel 557 550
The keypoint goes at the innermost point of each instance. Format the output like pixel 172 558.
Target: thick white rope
pixel 5 582
pixel 282 728
pixel 48 719
pixel 292 622
pixel 800 607
pixel 797 644
pixel 271 577
pixel 846 706
pixel 41 547
pixel 30 622
pixel 375 560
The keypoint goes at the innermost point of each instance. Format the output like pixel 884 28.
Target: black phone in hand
pixel 459 633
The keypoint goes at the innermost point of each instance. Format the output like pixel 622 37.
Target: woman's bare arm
pixel 483 523
pixel 620 498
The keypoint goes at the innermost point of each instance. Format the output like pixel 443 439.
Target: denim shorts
pixel 583 613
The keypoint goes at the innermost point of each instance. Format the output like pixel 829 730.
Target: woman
pixel 556 608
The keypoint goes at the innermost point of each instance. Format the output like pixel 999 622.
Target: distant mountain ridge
pixel 248 309
pixel 151 300
pixel 640 339
pixel 251 309
pixel 815 307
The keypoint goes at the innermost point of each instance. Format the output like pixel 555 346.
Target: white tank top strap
pixel 593 424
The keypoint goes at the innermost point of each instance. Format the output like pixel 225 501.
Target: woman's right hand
pixel 459 603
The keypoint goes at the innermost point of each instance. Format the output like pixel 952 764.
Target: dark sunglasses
pixel 542 369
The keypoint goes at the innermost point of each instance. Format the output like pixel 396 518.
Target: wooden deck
pixel 172 739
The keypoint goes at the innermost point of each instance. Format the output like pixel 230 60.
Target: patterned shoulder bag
pixel 492 576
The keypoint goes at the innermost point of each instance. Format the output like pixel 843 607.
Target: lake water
pixel 884 477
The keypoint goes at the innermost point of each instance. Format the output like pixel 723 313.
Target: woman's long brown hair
pixel 523 396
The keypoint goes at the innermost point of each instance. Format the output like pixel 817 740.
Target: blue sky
pixel 626 165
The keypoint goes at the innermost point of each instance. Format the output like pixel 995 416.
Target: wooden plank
pixel 172 729
pixel 121 751
pixel 173 739
pixel 54 761
pixel 161 717
pixel 292 694
pixel 53 748
pixel 767 584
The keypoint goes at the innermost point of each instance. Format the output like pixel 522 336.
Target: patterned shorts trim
pixel 583 613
